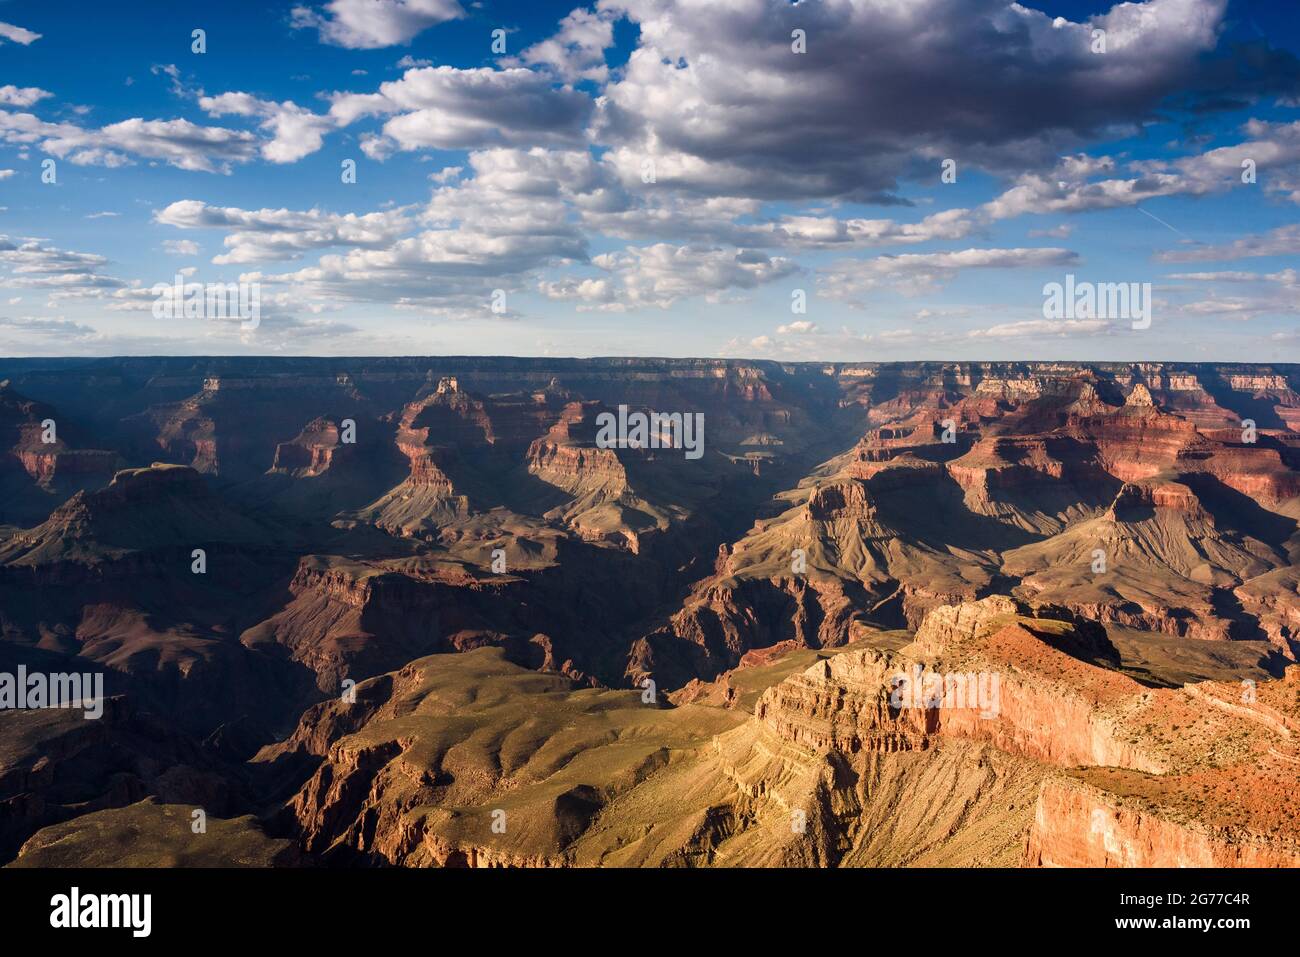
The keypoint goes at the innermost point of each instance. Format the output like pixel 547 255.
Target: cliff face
pixel 140 509
pixel 356 620
pixel 568 458
pixel 1077 826
pixel 844 704
pixel 40 459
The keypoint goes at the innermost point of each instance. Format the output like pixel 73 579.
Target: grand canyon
pixel 415 612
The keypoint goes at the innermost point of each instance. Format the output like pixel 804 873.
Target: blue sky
pixel 653 177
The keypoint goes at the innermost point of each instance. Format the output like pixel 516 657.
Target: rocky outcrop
pixel 40 461
pixel 351 620
pixel 156 835
pixel 877 701
pixel 160 507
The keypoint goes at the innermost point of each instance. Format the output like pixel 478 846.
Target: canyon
pixel 417 612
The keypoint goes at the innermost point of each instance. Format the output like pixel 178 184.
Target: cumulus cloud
pixel 577 50
pixel 818 231
pixel 34 265
pixel 1071 187
pixel 625 213
pixel 487 232
pixel 295 132
pixel 261 235
pixel 447 108
pixel 800 327
pixel 1064 189
pixel 662 274
pixel 22 96
pixel 1269 148
pixel 372 24
pixel 178 142
pixel 629 214
pixel 716 97
pixel 759 159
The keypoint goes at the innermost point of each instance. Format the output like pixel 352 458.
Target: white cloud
pixel 446 108
pixel 1033 328
pixel 1275 293
pixel 22 96
pixel 17 34
pixel 912 273
pixel 486 232
pixel 662 274
pixel 1285 277
pixel 815 231
pixel 716 97
pixel 34 265
pixel 47 328
pixel 296 132
pixel 262 235
pixel 577 50
pixel 1282 241
pixel 800 327
pixel 1064 231
pixel 1065 189
pixel 177 142
pixel 173 73
pixel 1273 148
pixel 372 24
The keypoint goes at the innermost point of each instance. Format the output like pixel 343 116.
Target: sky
pixel 830 180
